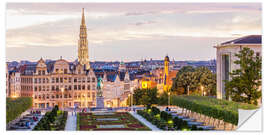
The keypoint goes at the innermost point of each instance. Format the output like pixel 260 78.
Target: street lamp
pixel 62 91
pixel 169 93
pixel 129 95
pixel 202 91
pixel 132 90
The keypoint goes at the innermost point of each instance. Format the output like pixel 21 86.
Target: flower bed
pixel 112 121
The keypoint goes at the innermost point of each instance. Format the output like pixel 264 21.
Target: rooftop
pixel 251 39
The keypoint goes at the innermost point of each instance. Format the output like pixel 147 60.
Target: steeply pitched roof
pixel 251 39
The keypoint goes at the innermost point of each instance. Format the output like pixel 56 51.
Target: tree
pixel 185 79
pixel 189 79
pixel 138 93
pixel 246 81
pixel 145 96
pixel 206 79
pixel 163 98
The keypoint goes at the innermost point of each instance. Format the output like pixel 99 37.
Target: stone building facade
pixel 64 84
pixel 226 56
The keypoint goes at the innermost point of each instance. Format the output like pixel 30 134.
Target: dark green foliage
pixel 163 98
pixel 155 110
pixel 16 106
pixel 145 96
pixel 246 81
pixel 189 80
pixel 216 108
pixel 52 121
pixel 163 121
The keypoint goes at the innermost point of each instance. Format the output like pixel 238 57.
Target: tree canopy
pixel 189 79
pixel 245 81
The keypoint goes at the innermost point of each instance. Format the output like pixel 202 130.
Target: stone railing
pixel 210 121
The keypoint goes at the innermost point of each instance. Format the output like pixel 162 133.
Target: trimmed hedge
pixel 53 120
pixel 164 120
pixel 216 108
pixel 16 106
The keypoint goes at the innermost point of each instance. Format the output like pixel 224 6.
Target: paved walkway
pixel 144 121
pixel 71 122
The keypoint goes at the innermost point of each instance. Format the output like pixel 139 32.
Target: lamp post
pixel 169 93
pixel 62 91
pixel 188 90
pixel 129 99
pixel 132 90
pixel 202 91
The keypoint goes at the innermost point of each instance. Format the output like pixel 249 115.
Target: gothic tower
pixel 83 58
pixel 166 74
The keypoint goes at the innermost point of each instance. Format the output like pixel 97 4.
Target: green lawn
pixel 16 106
pixel 216 108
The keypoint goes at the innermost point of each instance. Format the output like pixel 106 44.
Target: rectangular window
pixel 75 79
pixel 83 79
pixel 225 72
pixel 57 80
pixel 79 87
pixel 75 87
pixel 93 79
pixel 65 71
pixel 69 79
pixel 61 80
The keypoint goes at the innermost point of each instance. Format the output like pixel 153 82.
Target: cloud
pixel 127 23
pixel 143 23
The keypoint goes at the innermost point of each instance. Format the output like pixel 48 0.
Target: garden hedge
pixel 16 106
pixel 216 108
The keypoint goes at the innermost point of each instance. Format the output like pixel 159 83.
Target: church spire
pixel 83 18
pixel 83 58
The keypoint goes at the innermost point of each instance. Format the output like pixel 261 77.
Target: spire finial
pixel 83 19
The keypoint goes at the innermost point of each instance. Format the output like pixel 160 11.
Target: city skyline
pixel 127 32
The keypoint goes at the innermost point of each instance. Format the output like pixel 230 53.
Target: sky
pixel 127 31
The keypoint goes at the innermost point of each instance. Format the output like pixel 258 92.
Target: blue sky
pixel 126 31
